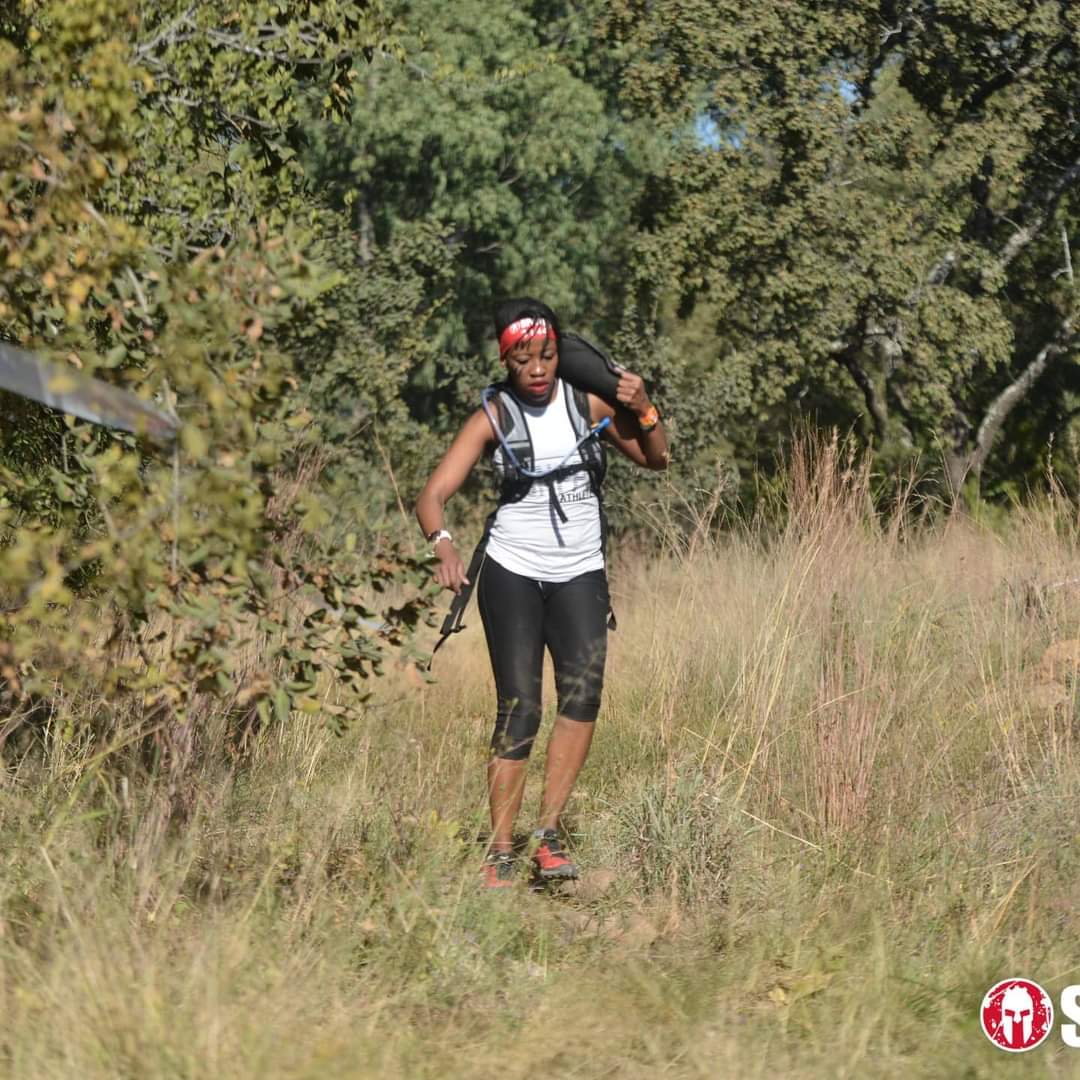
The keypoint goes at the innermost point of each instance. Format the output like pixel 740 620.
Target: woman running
pixel 543 580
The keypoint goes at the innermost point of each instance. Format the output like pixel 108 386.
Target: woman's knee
pixel 516 725
pixel 583 707
pixel 507 748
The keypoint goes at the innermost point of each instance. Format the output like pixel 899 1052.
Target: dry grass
pixel 832 799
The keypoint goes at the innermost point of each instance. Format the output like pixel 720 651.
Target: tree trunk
pixel 966 456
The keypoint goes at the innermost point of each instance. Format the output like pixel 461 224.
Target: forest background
pixel 286 223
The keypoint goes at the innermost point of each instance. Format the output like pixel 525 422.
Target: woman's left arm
pixel 647 448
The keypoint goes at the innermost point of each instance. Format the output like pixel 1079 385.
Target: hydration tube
pixel 534 474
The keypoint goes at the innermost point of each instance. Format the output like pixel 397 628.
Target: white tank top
pixel 528 537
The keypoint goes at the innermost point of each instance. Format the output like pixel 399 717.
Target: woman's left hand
pixel 631 392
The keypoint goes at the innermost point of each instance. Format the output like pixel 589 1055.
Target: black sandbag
pixel 587 367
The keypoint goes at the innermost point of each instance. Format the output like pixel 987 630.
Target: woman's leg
pixel 575 629
pixel 567 750
pixel 512 610
pixel 506 785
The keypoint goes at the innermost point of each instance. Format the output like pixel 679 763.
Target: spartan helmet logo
pixel 1017 1014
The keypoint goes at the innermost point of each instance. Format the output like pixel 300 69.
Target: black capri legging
pixel 521 616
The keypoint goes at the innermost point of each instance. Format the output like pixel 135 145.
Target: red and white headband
pixel 524 330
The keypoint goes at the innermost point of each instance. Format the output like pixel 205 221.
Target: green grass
pixel 826 809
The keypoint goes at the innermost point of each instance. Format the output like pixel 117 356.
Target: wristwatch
pixel 437 535
pixel 650 419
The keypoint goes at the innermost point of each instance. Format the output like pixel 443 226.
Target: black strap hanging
pixel 452 624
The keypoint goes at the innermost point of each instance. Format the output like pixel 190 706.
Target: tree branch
pixel 1010 76
pixel 886 46
pixel 875 404
pixel 1044 206
pixel 845 353
pixel 998 411
pixel 903 407
pixel 167 35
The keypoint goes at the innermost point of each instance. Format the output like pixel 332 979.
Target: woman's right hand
pixel 450 573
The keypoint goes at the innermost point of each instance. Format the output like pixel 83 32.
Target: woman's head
pixel 528 333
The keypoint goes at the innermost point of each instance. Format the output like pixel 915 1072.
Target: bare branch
pixel 940 271
pixel 903 407
pixel 137 286
pixel 1063 341
pixel 237 42
pixel 886 46
pixel 1067 269
pixel 230 118
pixel 1009 76
pixel 421 71
pixel 937 275
pixel 846 353
pixel 167 36
pixel 1044 208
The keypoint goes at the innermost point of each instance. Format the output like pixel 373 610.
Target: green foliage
pixel 877 232
pixel 776 215
pixel 371 336
pixel 495 133
pixel 159 233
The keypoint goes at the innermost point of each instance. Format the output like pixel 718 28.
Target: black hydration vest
pixel 504 409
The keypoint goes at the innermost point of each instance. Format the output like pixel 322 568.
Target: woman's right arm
pixel 465 451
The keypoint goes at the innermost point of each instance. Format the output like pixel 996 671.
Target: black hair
pixel 524 307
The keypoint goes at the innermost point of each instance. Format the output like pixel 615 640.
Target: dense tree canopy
pixel 495 133
pixel 846 214
pixel 882 231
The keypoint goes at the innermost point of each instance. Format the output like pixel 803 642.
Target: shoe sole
pixel 561 873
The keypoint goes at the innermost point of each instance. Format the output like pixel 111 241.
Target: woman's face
pixel 531 365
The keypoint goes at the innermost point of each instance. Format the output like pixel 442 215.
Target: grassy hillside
pixel 832 799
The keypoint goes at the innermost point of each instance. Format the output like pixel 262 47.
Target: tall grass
pixel 831 800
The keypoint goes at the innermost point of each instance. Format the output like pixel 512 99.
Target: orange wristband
pixel 650 419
